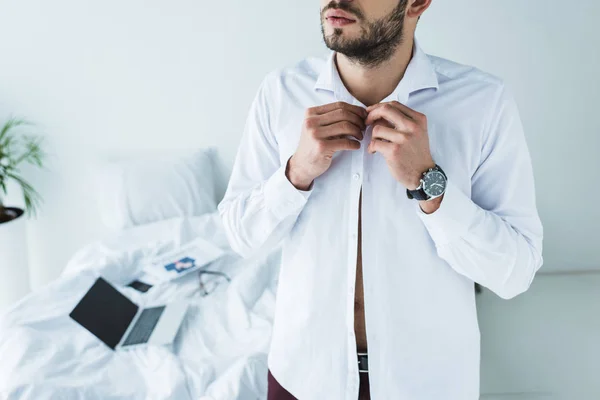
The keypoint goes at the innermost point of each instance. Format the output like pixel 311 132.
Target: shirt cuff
pixel 452 219
pixel 283 198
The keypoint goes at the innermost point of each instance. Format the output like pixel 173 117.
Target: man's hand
pixel 324 132
pixel 400 135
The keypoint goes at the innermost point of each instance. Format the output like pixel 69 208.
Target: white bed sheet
pixel 220 353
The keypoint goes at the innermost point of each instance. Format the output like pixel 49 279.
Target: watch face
pixel 434 184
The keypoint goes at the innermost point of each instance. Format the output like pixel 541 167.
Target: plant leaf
pixel 11 124
pixel 3 185
pixel 33 153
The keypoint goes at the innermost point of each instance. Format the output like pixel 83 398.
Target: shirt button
pixel 354 236
pixel 356 176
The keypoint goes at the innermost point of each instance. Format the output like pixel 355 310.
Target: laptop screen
pixel 105 312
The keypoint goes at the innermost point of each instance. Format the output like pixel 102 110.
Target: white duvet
pixel 220 352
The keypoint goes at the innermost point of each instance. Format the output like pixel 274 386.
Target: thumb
pixel 371 148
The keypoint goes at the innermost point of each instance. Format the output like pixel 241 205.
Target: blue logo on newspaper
pixel 181 265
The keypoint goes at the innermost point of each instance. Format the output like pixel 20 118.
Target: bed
pixel 220 352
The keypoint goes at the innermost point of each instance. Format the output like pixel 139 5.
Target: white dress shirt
pixel 418 269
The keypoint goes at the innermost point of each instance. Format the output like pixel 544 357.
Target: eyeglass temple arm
pixel 217 273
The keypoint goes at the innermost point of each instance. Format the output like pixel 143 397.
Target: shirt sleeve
pixel 260 205
pixel 495 236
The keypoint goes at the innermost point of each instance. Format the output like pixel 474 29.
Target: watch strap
pixel 417 194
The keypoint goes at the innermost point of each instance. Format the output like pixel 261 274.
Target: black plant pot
pixel 10 214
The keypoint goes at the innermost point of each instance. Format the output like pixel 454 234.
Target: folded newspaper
pixel 182 261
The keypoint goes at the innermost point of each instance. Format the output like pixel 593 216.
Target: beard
pixel 379 39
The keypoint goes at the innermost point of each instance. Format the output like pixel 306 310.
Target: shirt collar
pixel 419 75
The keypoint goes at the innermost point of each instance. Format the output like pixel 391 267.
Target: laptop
pixel 121 324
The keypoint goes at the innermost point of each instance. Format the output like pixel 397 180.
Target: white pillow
pixel 144 189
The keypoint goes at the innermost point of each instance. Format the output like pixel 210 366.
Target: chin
pixel 341 35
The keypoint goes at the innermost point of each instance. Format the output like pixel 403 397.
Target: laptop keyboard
pixel 144 326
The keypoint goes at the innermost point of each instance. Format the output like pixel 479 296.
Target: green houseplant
pixel 17 149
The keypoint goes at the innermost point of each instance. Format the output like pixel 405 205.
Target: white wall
pixel 544 342
pixel 129 76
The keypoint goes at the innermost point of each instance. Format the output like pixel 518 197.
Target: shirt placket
pixel 355 175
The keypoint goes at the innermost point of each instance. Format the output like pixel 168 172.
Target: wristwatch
pixel 433 185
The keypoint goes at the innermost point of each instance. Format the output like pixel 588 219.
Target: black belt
pixel 363 363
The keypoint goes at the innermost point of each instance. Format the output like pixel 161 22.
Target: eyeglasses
pixel 210 280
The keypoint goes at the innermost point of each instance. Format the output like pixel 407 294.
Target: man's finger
pixel 324 109
pixel 378 146
pixel 406 110
pixel 340 129
pixel 394 116
pixel 409 112
pixel 340 115
pixel 342 144
pixel 389 134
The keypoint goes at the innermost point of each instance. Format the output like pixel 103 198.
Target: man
pixel 393 180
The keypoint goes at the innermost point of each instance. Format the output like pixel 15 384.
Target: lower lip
pixel 339 21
